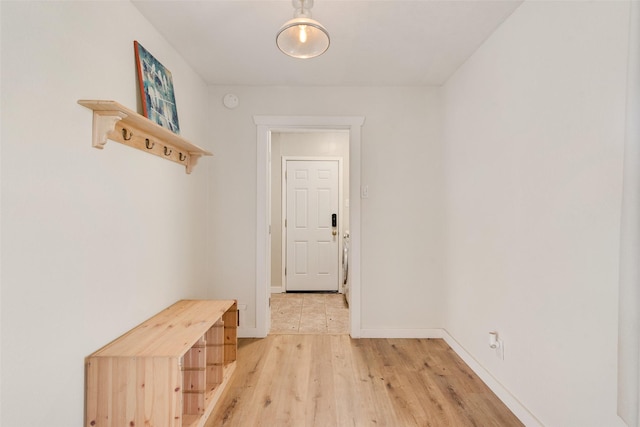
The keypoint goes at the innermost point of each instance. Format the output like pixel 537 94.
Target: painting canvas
pixel 156 89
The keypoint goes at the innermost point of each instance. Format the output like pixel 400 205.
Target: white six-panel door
pixel 312 243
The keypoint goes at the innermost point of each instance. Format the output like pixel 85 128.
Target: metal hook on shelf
pixel 124 134
pixel 169 152
pixel 183 157
pixel 149 144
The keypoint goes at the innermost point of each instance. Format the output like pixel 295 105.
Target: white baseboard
pixel 250 333
pixel 518 409
pixel 277 289
pixel 401 333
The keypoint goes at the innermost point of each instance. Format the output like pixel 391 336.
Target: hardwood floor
pixel 333 380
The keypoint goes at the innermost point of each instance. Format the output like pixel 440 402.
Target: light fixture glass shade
pixel 303 38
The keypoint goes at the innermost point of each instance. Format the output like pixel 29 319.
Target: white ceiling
pixel 373 42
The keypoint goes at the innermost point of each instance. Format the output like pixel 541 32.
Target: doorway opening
pixel 309 215
pixel 267 127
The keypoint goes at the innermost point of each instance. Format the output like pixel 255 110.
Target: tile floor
pixel 309 313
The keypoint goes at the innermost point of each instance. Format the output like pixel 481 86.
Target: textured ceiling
pixel 373 42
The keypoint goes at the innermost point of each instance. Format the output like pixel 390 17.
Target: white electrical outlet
pixel 497 344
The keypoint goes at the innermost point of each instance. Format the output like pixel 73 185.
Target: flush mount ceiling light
pixel 302 37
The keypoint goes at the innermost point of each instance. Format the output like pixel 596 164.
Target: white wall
pixel 629 297
pixel 401 163
pixel 93 242
pixel 303 144
pixel 534 130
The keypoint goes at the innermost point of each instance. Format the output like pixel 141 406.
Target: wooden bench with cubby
pixel 169 371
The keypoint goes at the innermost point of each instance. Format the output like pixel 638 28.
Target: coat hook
pixel 182 157
pixel 124 134
pixel 149 144
pixel 167 153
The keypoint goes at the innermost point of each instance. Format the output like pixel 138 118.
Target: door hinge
pixel 285 271
pixel 285 222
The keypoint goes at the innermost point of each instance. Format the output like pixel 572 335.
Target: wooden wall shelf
pixel 116 122
pixel 170 371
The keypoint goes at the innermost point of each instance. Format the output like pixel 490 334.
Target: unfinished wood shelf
pixel 113 121
pixel 170 371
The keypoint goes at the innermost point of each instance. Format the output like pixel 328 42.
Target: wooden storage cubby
pixel 170 371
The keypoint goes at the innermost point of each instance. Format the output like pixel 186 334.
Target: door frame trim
pixel 265 125
pixel 283 210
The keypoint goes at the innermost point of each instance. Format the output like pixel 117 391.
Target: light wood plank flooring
pixel 333 380
pixel 309 313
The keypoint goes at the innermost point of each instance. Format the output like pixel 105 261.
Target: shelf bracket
pixel 192 160
pixel 104 122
